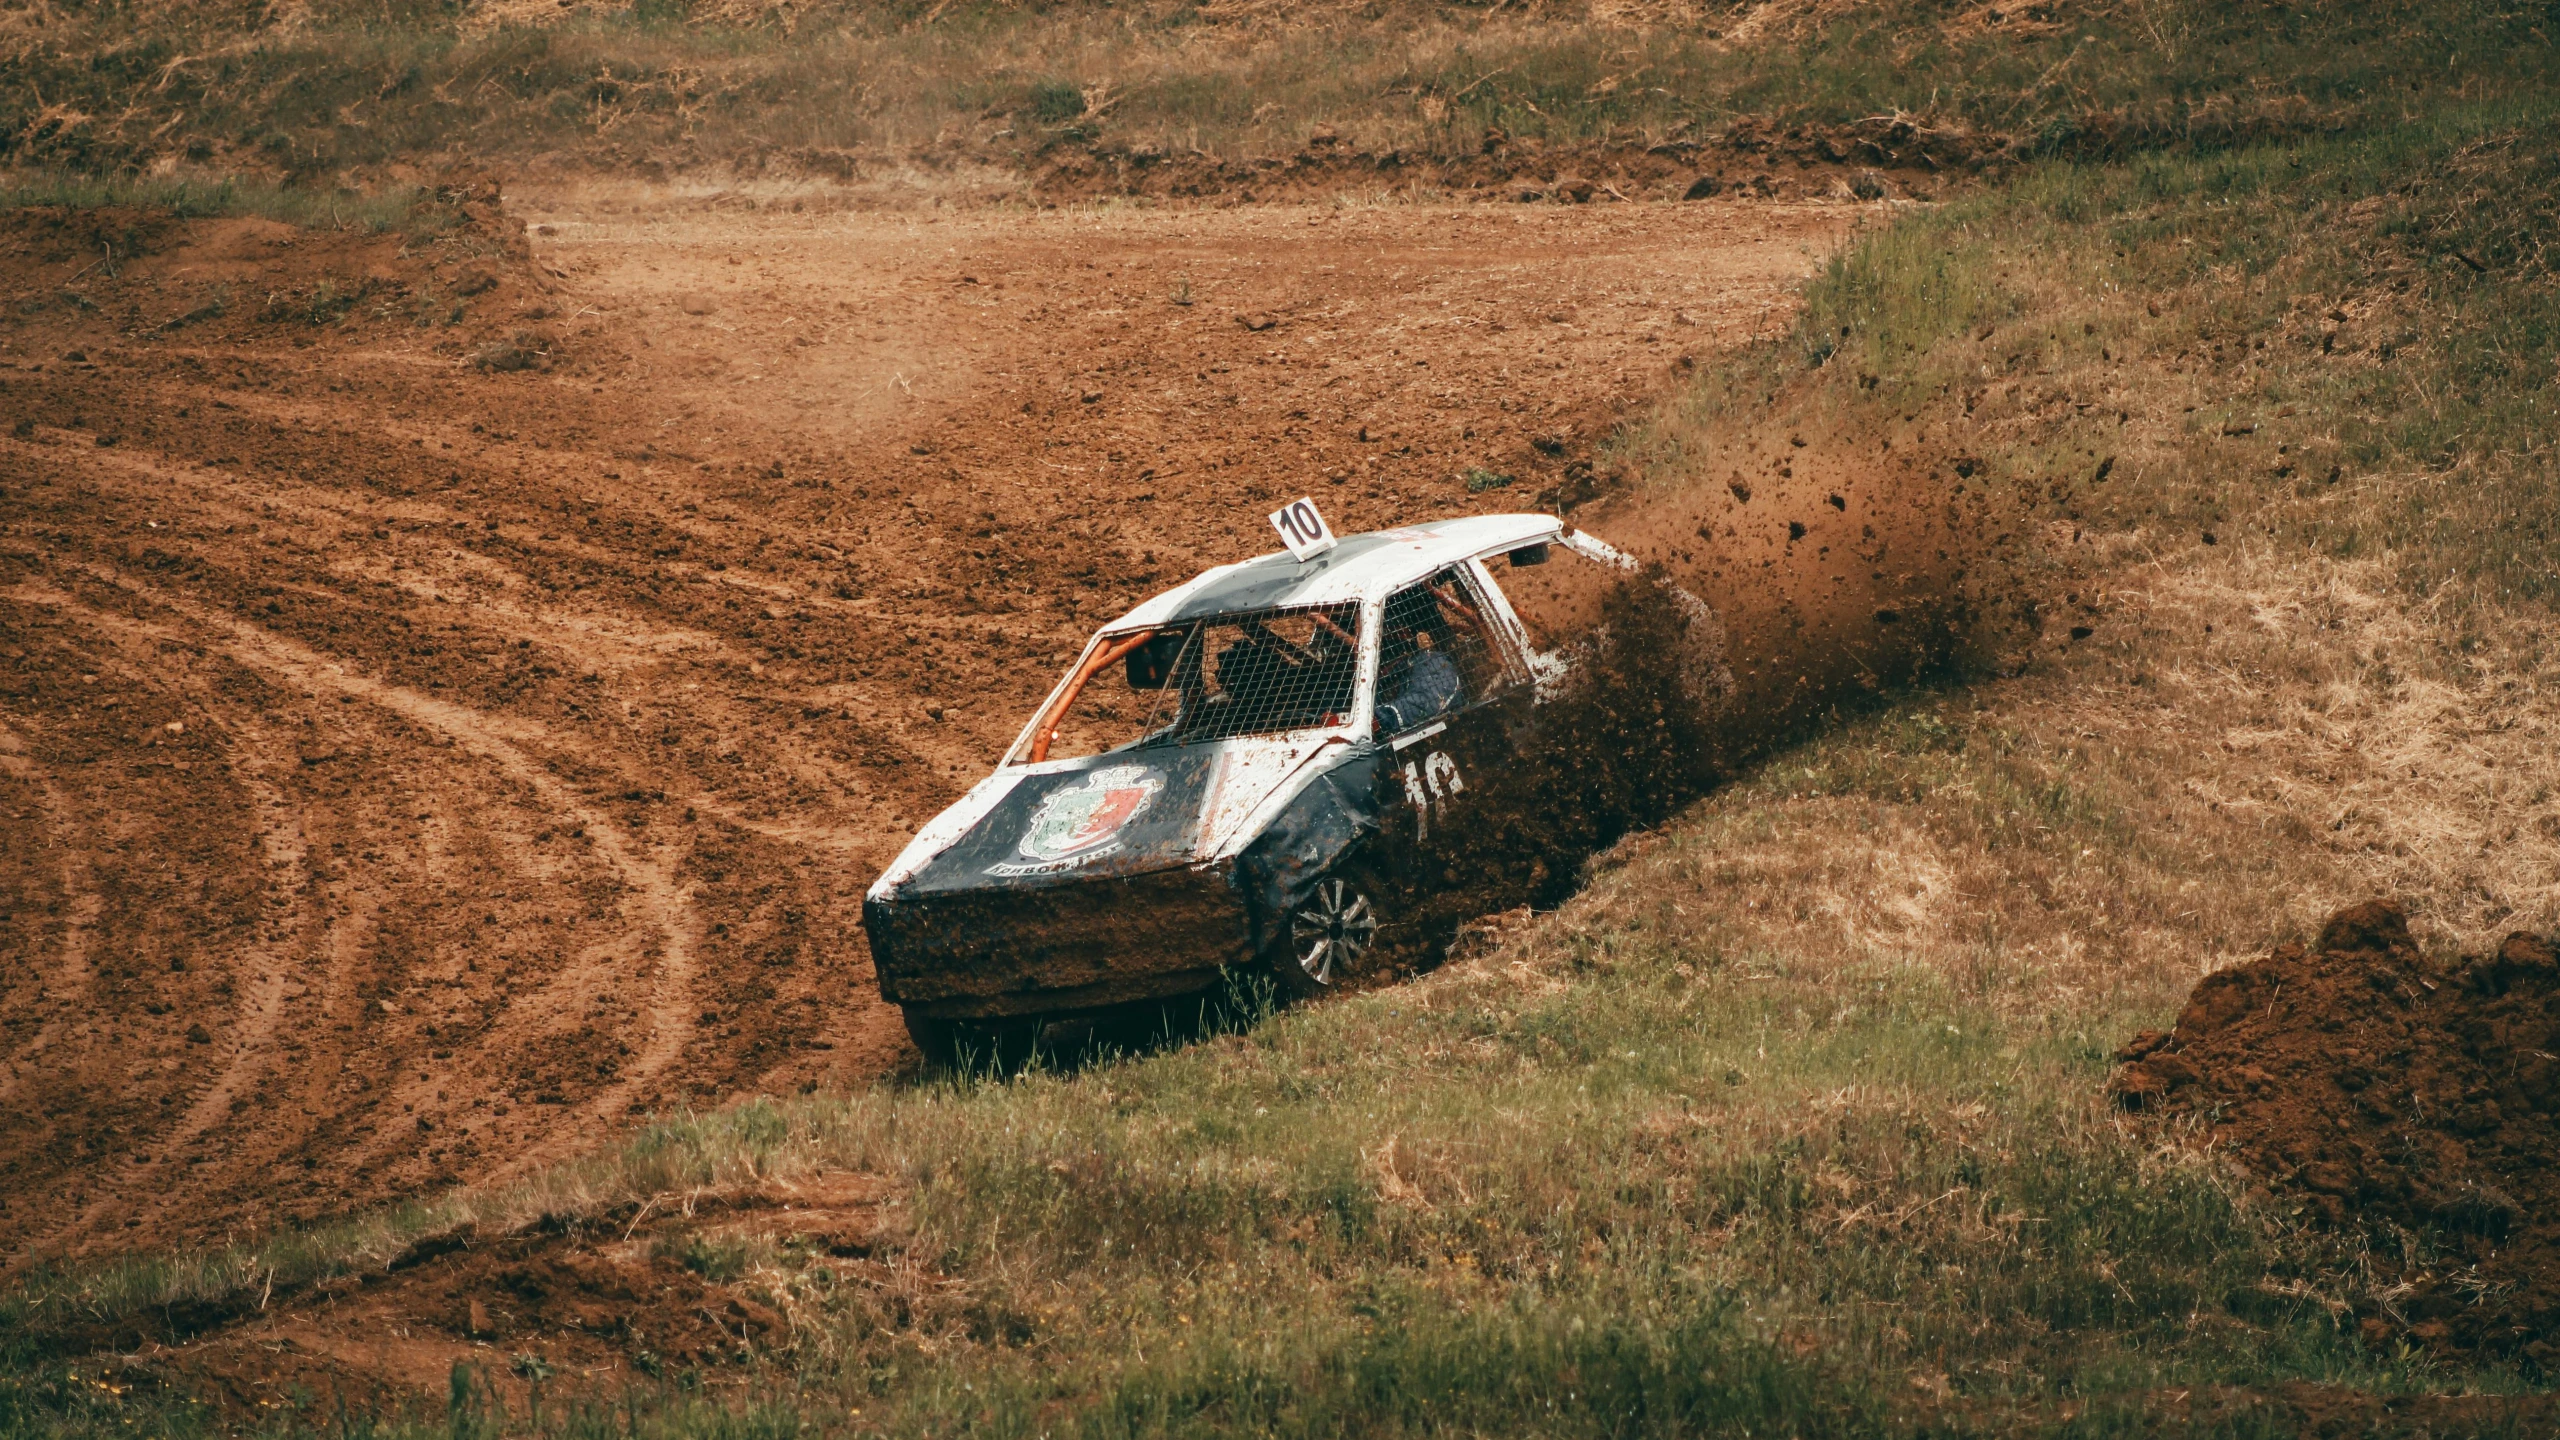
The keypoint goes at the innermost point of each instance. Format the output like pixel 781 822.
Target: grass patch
pixel 699 83
pixel 1619 1182
pixel 412 210
pixel 2342 345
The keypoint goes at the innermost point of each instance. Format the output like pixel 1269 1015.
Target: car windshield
pixel 1255 673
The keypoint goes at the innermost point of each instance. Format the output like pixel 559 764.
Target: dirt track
pixel 414 767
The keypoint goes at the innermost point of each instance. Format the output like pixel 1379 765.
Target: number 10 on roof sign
pixel 1302 529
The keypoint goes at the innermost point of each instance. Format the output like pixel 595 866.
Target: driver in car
pixel 1420 681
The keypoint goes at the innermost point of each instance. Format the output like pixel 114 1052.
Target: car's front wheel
pixel 1331 935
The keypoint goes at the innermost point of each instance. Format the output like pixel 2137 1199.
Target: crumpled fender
pixel 1336 811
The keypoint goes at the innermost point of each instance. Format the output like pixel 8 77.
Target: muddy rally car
pixel 1306 765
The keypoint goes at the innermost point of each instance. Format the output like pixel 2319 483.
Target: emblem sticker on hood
pixel 1078 824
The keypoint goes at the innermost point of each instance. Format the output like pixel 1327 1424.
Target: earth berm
pixel 2411 1102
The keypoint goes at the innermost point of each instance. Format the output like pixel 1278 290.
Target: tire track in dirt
pixel 150 480
pixel 248 1038
pixel 665 904
pixel 557 624
pixel 66 990
pixel 742 596
pixel 286 844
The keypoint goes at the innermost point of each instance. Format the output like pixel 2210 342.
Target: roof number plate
pixel 1302 529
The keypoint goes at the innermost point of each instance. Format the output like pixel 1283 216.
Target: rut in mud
pixel 454 689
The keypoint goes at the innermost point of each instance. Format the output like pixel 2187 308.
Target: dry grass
pixel 2159 801
pixel 2274 420
pixel 1792 1120
pixel 739 88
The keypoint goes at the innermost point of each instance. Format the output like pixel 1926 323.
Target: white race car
pixel 1276 764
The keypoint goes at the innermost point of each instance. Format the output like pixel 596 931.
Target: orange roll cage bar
pixel 1447 595
pixel 1057 715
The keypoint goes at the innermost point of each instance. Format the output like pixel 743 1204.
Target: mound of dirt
pixel 2419 1105
pixel 686 1289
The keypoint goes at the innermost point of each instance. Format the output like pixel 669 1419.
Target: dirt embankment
pixel 125 275
pixel 454 688
pixel 1871 159
pixel 2418 1105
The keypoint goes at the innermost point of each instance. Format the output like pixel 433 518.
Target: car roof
pixel 1356 568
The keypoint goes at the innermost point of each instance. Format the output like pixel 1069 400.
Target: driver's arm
pixel 1434 685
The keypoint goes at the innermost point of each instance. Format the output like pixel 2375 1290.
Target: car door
pixel 1527 823
pixel 1452 692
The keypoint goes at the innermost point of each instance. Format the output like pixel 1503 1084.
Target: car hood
pixel 1120 813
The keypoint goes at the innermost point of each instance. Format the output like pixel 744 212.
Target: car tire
pixel 933 1035
pixel 1332 935
pixel 1002 1046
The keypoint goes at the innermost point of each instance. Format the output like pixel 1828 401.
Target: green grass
pixel 414 210
pixel 1639 1186
pixel 2345 344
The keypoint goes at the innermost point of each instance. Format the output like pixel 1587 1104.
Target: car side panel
pixel 1438 781
pixel 1331 816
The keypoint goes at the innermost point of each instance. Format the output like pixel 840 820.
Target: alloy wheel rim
pixel 1329 932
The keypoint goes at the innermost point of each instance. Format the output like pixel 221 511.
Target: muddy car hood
pixel 1117 814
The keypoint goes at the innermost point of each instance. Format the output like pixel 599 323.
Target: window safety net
pixel 1436 652
pixel 1255 673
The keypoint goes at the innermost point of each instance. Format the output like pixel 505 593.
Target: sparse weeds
pixel 521 350
pixel 413 211
pixel 721 82
pixel 1055 102
pixel 716 1258
pixel 327 303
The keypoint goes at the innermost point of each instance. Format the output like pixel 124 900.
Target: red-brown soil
pixel 454 692
pixel 677 1291
pixel 2417 1104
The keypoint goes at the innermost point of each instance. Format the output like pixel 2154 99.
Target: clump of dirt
pixel 689 1288
pixel 2418 1105
pixel 1841 565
